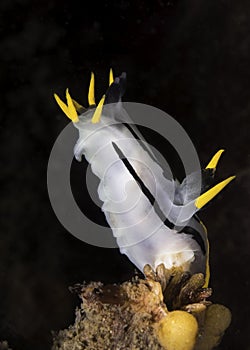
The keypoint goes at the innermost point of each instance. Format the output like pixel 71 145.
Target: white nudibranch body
pixel 150 216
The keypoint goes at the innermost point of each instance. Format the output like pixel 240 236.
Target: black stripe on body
pixel 142 144
pixel 187 229
pixel 144 189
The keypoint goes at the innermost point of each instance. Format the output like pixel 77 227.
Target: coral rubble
pixel 166 310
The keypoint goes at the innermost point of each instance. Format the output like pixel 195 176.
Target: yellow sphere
pixel 177 331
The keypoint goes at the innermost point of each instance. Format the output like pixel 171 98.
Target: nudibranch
pixel 125 167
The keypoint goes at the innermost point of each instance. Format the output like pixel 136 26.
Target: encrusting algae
pixel 168 310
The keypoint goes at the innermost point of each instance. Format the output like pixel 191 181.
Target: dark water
pixel 188 58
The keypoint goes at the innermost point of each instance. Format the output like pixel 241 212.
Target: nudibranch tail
pixel 207 268
pixel 69 109
pixel 91 94
pixel 214 161
pixel 210 194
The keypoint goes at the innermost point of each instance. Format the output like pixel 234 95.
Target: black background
pixel 188 58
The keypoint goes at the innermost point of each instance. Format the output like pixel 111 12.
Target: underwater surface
pixel 188 58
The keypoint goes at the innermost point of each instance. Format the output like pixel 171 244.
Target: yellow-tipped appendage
pixel 91 94
pixel 69 109
pixel 210 194
pixel 77 105
pixel 98 112
pixel 214 161
pixel 111 77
